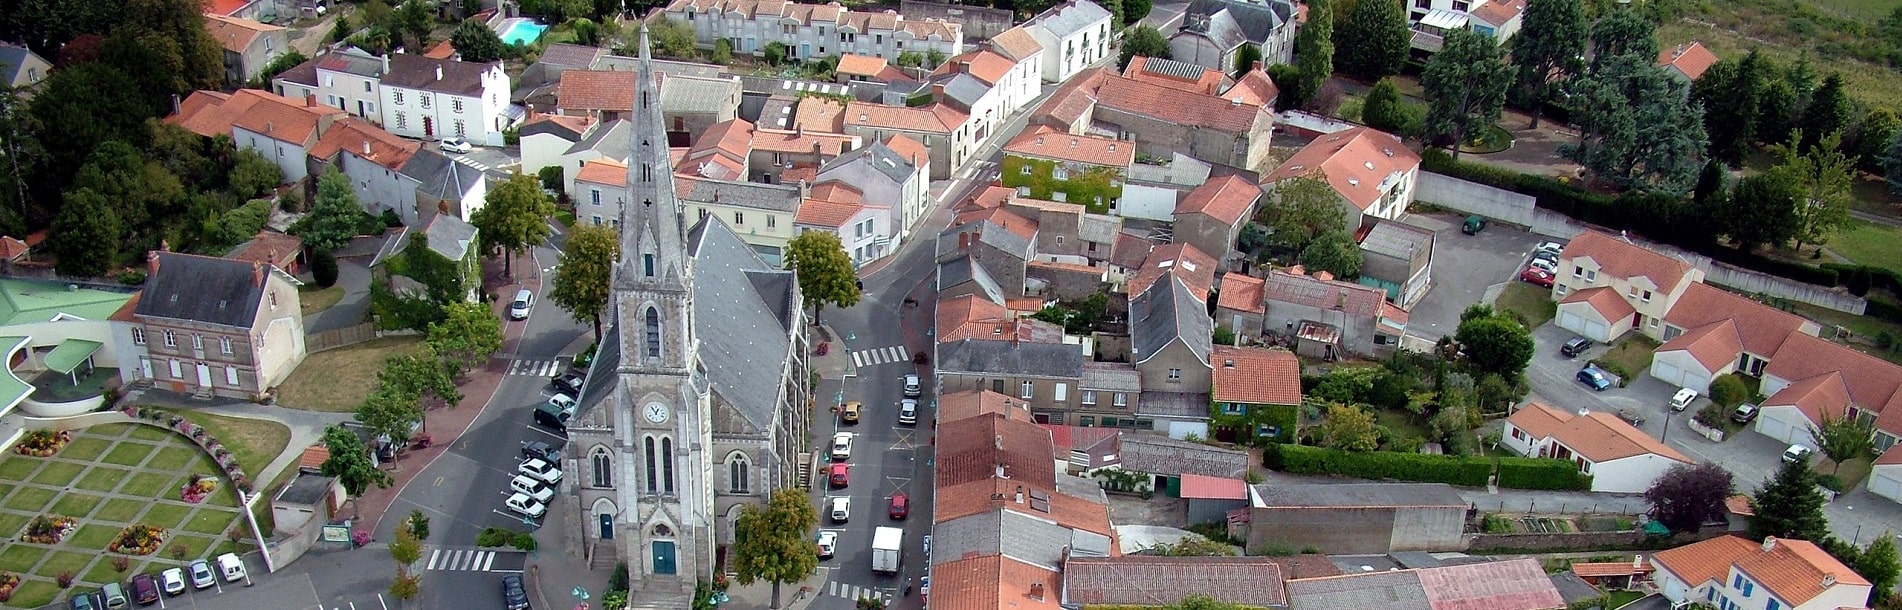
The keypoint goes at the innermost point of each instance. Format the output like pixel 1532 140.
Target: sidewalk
pixel 759 595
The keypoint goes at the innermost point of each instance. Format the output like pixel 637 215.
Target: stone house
pixel 1326 317
pixel 1397 257
pixel 1211 217
pixel 249 46
pixel 1254 394
pixel 214 326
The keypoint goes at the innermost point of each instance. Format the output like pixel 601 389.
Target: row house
pixel 283 130
pixel 1373 172
pixel 984 85
pixel 545 138
pixel 1074 34
pixel 838 209
pixel 781 156
pixel 944 131
pixel 373 160
pixel 432 99
pixel 1328 318
pixel 1213 32
pixel 348 80
pixel 248 45
pixel 1211 217
pixel 762 215
pixel 1607 286
pixel 213 326
pixel 1021 47
pixel 1254 393
pixel 812 31
pixel 999 241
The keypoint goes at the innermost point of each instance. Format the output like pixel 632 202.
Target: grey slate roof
pixel 1435 495
pixel 1071 17
pixel 12 60
pixel 965 269
pixel 409 71
pixel 1007 532
pixel 1160 317
pixel 1170 67
pixel 1110 376
pixel 871 162
pixel 1158 454
pixel 740 306
pixel 1079 487
pixel 1229 23
pixel 204 289
pixel 1396 239
pixel 570 55
pixel 450 237
pixel 670 68
pixel 1098 228
pixel 1384 590
pixel 1572 588
pixel 601 371
pixel 440 176
pixel 694 93
pixel 963 89
pixel 1187 405
pixel 770 197
pixel 307 490
pixel 1050 360
pixel 609 139
pixel 989 233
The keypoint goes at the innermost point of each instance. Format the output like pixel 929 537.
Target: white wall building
pixel 349 80
pixel 1074 35
pixel 812 31
pixel 1620 458
pixel 1776 574
pixel 434 99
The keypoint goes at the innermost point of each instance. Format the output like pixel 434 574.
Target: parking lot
pixel 1465 269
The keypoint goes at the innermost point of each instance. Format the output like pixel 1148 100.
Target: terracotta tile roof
pixel 1070 104
pixel 1147 580
pixel 1690 60
pixel 1598 436
pixel 210 113
pixel 828 144
pixel 225 7
pixel 12 248
pixel 1393 313
pixel 1873 382
pixel 235 34
pixel 1762 328
pixel 603 171
pixel 1611 568
pixel 974 317
pixel 1604 300
pixel 1890 458
pixel 721 151
pixel 1226 199
pixel 990 196
pixel 834 190
pixel 972 403
pixel 911 150
pixel 1815 396
pixel 1065 439
pixel 441 50
pixel 313 458
pixel 796 173
pixel 935 118
pixel 1023 304
pixel 1255 376
pixel 1174 74
pixel 1047 143
pixel 829 214
pixel 1291 287
pixel 596 90
pixel 971 449
pixel 1010 221
pixel 1306 565
pixel 1498 12
pixel 1242 293
pixel 268 247
pixel 992 582
pixel 983 64
pixel 1016 43
pixel 1356 163
pixel 853 64
pixel 1178 106
pixel 1739 504
pixel 1026 205
pixel 1793 570
pixel 1130 250
pixel 284 119
pixel 366 141
pixel 577 124
pixel 1196 269
pixel 1254 88
pixel 1713 345
pixel 1070 267
pixel 1624 259
pixel 819 114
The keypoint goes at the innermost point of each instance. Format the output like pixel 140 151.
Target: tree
pixel 776 53
pixel 1762 211
pixel 82 107
pixel 1731 92
pixel 1348 428
pixel 581 278
pixel 1789 505
pixel 323 268
pixel 1825 175
pixel 334 217
pixel 1551 40
pixel 1135 10
pixel 1313 53
pixel 414 19
pixel 424 378
pixel 1373 42
pixel 466 335
pixel 350 462
pixel 1623 33
pixel 418 524
pixel 1199 601
pixel 1872 138
pixel 1334 252
pixel 513 217
pixel 1829 112
pixel 722 51
pixel 825 271
pixel 1301 209
pixel 1384 110
pixel 442 279
pixel 252 174
pixel 670 38
pixel 1115 8
pixel 390 413
pixel 1879 565
pixel 1892 163
pixel 1496 343
pixel 1465 85
pixel 1635 127
pixel 1843 438
pixel 406 549
pixel 1145 41
pixel 86 235
pixel 770 544
pixel 1689 495
pixel 476 42
pixel 1245 58
pixel 1712 183
pixel 406 586
pixel 1193 545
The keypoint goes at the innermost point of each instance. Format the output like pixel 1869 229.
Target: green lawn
pixel 1401 423
pixel 1852 471
pixel 255 441
pixel 210 521
pixel 102 478
pixel 93 536
pixel 1634 354
pixel 17 466
pixel 19 560
pixel 195 546
pixel 1535 304
pixel 10 526
pixel 128 454
pixel 1870 244
pixel 58 474
pixel 122 509
pixel 340 379
pixel 85 448
pixel 149 433
pixel 168 516
pixel 173 458
pixel 312 299
pixel 75 505
pixel 1617 599
pixel 29 499
pixel 34 593
pixel 67 561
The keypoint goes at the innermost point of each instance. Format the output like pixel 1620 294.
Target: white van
pixel 518 308
pixel 231 566
pixel 526 485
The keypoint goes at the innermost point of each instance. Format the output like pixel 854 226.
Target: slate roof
pixel 1286 287
pixel 1229 24
pixel 1399 590
pixel 741 306
pixel 1008 532
pixel 570 55
pixel 680 93
pixel 964 89
pixel 1110 376
pixel 769 197
pixel 449 236
pixel 13 59
pixel 441 176
pixel 1158 318
pixel 1359 495
pixel 204 289
pixel 1396 239
pixel 1188 405
pixel 875 161
pixel 1071 17
pixel 1158 454
pixel 1049 360
pixel 965 269
pixel 986 231
pixel 609 139
pixel 463 78
pixel 1145 580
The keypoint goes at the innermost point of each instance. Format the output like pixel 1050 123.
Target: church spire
pixel 653 230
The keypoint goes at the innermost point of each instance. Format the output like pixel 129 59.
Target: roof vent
pixel 1228 363
pixel 998 442
pixel 1112 147
pixel 1040 140
pixel 1072 142
pixel 1353 181
pixel 1235 102
pixel 1370 164
pixel 1829 580
pixel 1769 543
pixel 1295 168
pixel 1389 151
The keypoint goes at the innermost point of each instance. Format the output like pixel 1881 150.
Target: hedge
pixel 1884 310
pixel 1542 473
pixel 1449 469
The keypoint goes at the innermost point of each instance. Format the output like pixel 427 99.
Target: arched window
pixel 739 474
pixel 653 482
pixel 602 467
pixel 667 465
pixel 653 333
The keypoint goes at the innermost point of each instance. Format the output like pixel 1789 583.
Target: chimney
pixel 998 443
pixel 151 263
pixel 269 127
pixel 1020 494
pixel 1829 580
pixel 964 240
pixel 937 91
pixel 257 273
pixel 366 148
pixel 438 71
pixel 1323 276
pixel 1637 561
pixel 1255 67
pixel 964 66
pixel 386 65
pixel 805 189
pixel 818 151
pixel 1769 543
pixel 1036 591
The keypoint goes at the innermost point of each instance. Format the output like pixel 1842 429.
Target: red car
pixel 1536 276
pixel 901 506
pixel 839 475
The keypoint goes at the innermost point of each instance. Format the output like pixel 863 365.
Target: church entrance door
pixel 663 557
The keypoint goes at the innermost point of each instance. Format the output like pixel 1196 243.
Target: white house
pixel 349 80
pixel 887 182
pixel 861 229
pixel 1810 377
pixel 1214 31
pixel 1607 286
pixel 546 137
pixel 1019 45
pixel 1885 479
pixel 434 99
pixel 811 31
pixel 1619 457
pixel 1776 574
pixel 1372 171
pixel 600 192
pixel 602 141
pixel 282 129
pixel 373 160
pixel 1074 35
pixel 943 129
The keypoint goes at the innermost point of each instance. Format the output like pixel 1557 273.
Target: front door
pixel 204 375
pixel 663 557
pixel 145 367
pixel 429 128
pixel 607 527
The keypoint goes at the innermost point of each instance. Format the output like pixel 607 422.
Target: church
pixel 697 402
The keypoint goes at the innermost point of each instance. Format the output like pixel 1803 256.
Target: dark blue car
pixel 1596 379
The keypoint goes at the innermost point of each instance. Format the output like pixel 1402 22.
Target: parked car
pixel 173 581
pixel 1546 255
pixel 1683 398
pixel 839 476
pixel 913 388
pixel 513 594
pixel 828 543
pixel 1537 277
pixel 145 589
pixel 1745 413
pixel 568 383
pixel 1550 246
pixel 1473 225
pixel 1594 378
pixel 525 506
pixel 1546 264
pixel 540 470
pixel 541 451
pixel 908 412
pixel 201 575
pixel 1798 452
pixel 841 510
pixel 456 145
pixel 1575 346
pixel 112 595
pixel 232 566
pixel 849 412
pixel 519 306
pixel 528 486
pixel 86 601
pixel 841 446
pixel 900 507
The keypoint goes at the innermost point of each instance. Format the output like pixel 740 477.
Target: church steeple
pixel 653 230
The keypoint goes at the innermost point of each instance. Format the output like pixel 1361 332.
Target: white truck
pixel 888 547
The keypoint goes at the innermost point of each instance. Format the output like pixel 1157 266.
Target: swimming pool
pixel 521 31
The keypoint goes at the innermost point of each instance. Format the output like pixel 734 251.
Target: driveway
pixel 350 310
pixel 1464 268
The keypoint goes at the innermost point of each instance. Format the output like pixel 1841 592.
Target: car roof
pixel 823 536
pixel 842 436
pixel 1682 392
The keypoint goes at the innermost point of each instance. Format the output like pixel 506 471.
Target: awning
pixel 70 354
pixel 1445 20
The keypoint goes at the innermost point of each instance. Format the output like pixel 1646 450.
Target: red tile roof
pixel 1046 143
pixel 1227 199
pixel 284 119
pixel 1713 345
pixel 577 124
pixel 1498 12
pixel 983 64
pixel 1356 163
pixel 313 458
pixel 721 151
pixel 1010 221
pixel 910 149
pixel 1793 570
pixel 1070 104
pixel 934 118
pixel 829 214
pixel 596 90
pixel 226 7
pixel 1890 458
pixel 1196 269
pixel 1815 396
pixel 991 582
pixel 12 248
pixel 834 190
pixel 1690 60
pixel 793 142
pixel 268 247
pixel 210 113
pixel 1242 293
pixel 366 141
pixel 1016 43
pixel 1761 328
pixel 819 114
pixel 1624 259
pixel 1254 89
pixel 1516 584
pixel 1254 375
pixel 974 317
pixel 971 449
pixel 1604 300
pixel 1873 382
pixel 1178 106
pixel 441 50
pixel 853 64
pixel 235 34
pixel 603 171
pixel 1598 436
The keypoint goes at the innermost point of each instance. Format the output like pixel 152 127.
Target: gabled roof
pixel 1177 106
pixel 268 247
pixel 1815 396
pixel 721 151
pixel 1761 328
pixel 1016 43
pixel 997 227
pixel 1227 199
pixel 1254 375
pixel 853 64
pixel 15 59
pixel 209 114
pixel 803 142
pixel 570 55
pixel 974 448
pixel 934 118
pixel 974 317
pixel 596 90
pixel 1174 74
pixel 368 142
pixel 1230 23
pixel 1356 163
pixel 1254 88
pixel 1603 299
pixel 1357 495
pixel 1194 267
pixel 911 150
pixel 1069 17
pixel 1159 454
pixel 1713 345
pixel 1624 259
pixel 1354 299
pixel 1873 382
pixel 820 114
pixel 568 128
pixel 450 76
pixel 743 315
pixel 1498 12
pixel 449 237
pixel 990 582
pixel 1172 314
pixel 1598 436
pixel 1518 584
pixel 441 176
pixel 984 64
pixel 1046 143
pixel 1793 570
pixel 236 34
pixel 194 288
pixel 604 172
pixel 1689 60
pixel 828 214
pixel 1045 360
pixel 1145 580
pixel 956 406
pixel 1242 293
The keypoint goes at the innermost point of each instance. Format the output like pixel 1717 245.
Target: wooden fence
pixel 339 337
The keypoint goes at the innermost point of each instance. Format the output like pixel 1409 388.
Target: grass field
pixel 1531 301
pixel 312 299
pixel 1785 31
pixel 338 380
pixel 1870 244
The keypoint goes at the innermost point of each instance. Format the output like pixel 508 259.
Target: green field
pixel 1870 244
pixel 1823 30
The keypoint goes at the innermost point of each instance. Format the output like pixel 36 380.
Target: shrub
pixel 494 536
pixel 1712 415
pixel 1455 470
pixel 1729 391
pixel 323 269
pixel 1830 482
pixel 1542 473
pixel 618 580
pixel 1271 457
pixel 523 540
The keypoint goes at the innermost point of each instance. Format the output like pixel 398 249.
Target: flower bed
pixel 43 443
pixel 199 487
pixel 8 582
pixel 48 529
pixel 226 460
pixel 138 539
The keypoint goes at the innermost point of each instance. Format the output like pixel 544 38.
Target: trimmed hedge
pixel 1542 473
pixel 1449 469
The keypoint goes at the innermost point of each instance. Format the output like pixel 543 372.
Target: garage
pixel 1663 368
pixel 1886 481
pixel 1666 367
pixel 1588 328
pixel 1784 424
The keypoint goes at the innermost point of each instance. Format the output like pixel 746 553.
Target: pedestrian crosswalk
pixel 447 560
pixel 536 368
pixel 883 355
pixel 472 163
pixel 855 592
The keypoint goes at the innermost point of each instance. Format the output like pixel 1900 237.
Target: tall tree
pixel 1843 438
pixel 1636 129
pixel 1826 176
pixel 466 336
pixel 581 278
pixel 1762 211
pixel 1690 495
pixel 20 153
pixel 476 42
pixel 1384 110
pixel 170 44
pixel 349 461
pixel 1300 209
pixel 825 271
pixel 1623 32
pixel 1314 51
pixel 1713 184
pixel 1348 427
pixel 1789 505
pixel 1373 42
pixel 86 235
pixel 1549 48
pixel 1143 41
pixel 334 217
pixel 1334 252
pixel 1731 92
pixel 406 549
pixel 671 38
pixel 770 543
pixel 1829 111
pixel 1465 85
pixel 1496 343
pixel 426 379
pixel 414 19
pixel 1136 10
pixel 252 175
pixel 1872 136
pixel 514 217
pixel 1879 564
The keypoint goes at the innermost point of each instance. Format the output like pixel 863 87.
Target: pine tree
pixel 1789 506
pixel 1314 51
pixel 1466 87
pixel 1829 111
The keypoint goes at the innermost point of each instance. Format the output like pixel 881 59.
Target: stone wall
pixel 1634 539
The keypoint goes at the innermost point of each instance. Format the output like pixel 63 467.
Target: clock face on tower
pixel 655 412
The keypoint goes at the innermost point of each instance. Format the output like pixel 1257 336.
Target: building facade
pixel 434 99
pixel 218 327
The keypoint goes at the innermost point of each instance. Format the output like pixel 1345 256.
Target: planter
pixel 48 529
pixel 43 443
pixel 200 487
pixel 138 539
